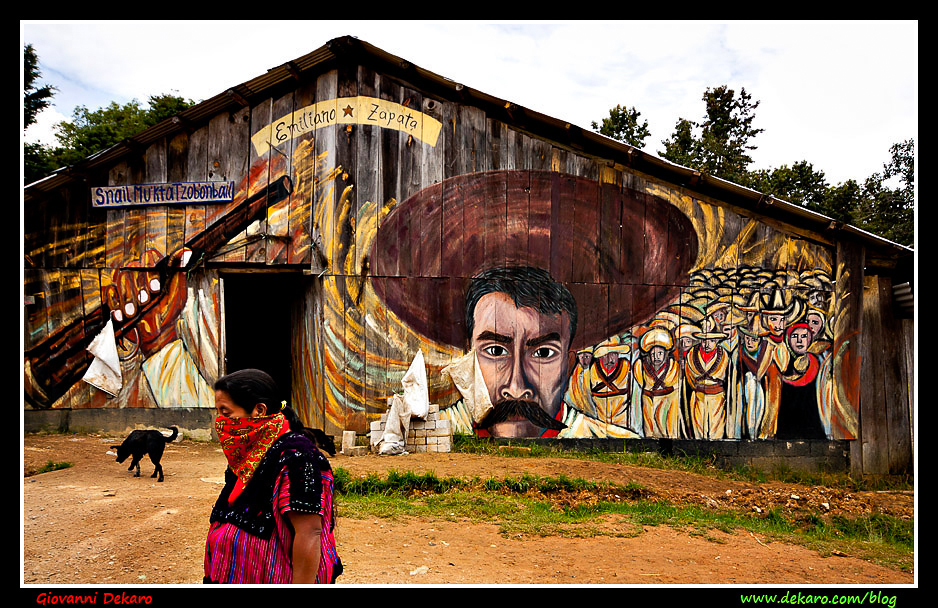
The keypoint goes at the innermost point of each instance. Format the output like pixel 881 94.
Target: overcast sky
pixel 835 93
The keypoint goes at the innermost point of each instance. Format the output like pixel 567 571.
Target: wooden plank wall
pixel 885 399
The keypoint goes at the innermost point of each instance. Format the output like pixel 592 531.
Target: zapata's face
pixel 523 356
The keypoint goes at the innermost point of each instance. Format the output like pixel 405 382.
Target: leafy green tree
pixel 720 145
pixel 799 184
pixel 92 131
pixel 89 132
pixel 890 211
pixel 35 98
pixel 683 148
pixel 36 157
pixel 623 125
pixel 840 202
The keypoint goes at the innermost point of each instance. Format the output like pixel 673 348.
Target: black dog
pixel 324 441
pixel 139 443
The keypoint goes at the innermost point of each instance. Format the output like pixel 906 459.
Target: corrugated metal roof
pixel 588 142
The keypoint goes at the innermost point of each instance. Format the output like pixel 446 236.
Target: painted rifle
pixel 60 359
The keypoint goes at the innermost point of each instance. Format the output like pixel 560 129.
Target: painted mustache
pixel 503 410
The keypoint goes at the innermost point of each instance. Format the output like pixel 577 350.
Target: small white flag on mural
pixel 105 371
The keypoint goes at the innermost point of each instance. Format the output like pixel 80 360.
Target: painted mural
pixel 606 351
pixel 584 303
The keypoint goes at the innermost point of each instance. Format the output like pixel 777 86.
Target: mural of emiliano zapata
pixel 523 269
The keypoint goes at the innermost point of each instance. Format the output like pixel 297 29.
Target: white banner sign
pixel 348 111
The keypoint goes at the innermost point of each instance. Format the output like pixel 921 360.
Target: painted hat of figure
pixel 794 326
pixel 819 313
pixel 752 304
pixel 687 331
pixel 687 311
pixel 657 336
pixel 622 254
pixel 748 331
pixel 709 330
pixel 666 319
pixel 798 309
pixel 772 301
pixel 708 294
pixel 700 303
pixel 612 345
pixel 717 306
pixel 734 313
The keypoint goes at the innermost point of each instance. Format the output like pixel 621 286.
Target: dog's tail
pixel 173 436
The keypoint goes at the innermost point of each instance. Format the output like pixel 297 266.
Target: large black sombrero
pixel 623 254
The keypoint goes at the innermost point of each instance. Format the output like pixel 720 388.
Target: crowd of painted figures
pixel 743 354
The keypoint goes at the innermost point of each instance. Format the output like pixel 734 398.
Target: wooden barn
pixel 329 220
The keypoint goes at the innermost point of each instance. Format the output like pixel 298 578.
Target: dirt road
pixel 95 523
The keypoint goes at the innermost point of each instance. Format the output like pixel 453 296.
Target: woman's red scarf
pixel 245 441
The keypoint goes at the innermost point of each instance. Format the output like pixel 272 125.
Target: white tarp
pixel 416 391
pixel 105 370
pixel 467 376
pixel 415 402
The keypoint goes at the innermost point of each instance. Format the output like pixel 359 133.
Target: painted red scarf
pixel 245 441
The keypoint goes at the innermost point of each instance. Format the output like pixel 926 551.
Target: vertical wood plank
pixel 454 228
pixel 518 188
pixel 872 392
pixel 367 166
pixel 610 224
pixel 541 197
pixel 176 171
pixel 262 115
pixel 495 210
pixel 563 218
pixel 632 247
pixel 156 215
pixel 898 432
pixel 847 324
pixel 277 224
pixel 431 171
pixel 536 153
pixel 585 231
pixel 347 279
pixel 197 169
pixel 389 170
pixel 233 163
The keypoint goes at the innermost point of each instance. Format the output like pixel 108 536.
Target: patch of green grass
pixel 49 466
pixel 396 483
pixel 562 506
pixel 690 463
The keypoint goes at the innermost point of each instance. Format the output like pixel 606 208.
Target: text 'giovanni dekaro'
pixel 178 193
pixel 348 111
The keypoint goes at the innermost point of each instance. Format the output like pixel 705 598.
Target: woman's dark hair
pixel 248 387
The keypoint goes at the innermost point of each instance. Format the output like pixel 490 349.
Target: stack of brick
pixel 348 445
pixel 429 434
